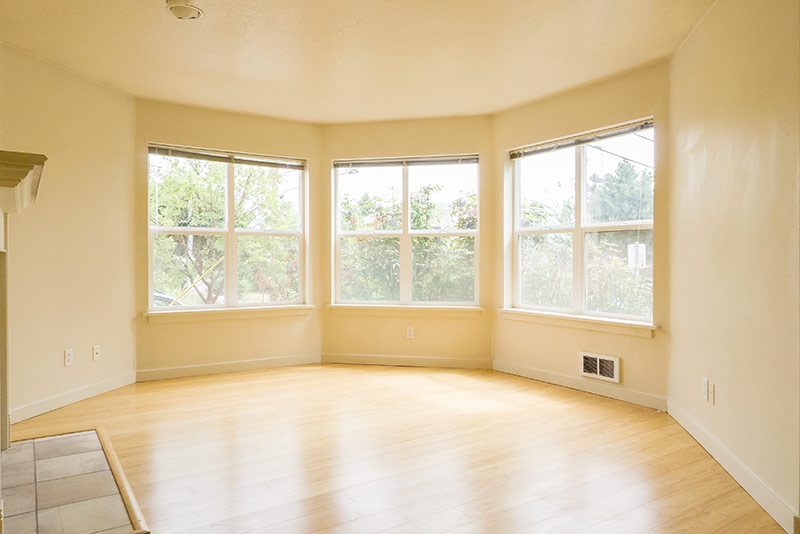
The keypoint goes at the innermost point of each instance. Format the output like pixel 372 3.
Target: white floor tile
pixel 67 445
pixel 67 466
pixel 19 500
pixel 21 524
pixel 84 517
pixel 17 475
pixel 73 489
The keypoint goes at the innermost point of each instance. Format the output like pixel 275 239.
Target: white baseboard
pixel 780 510
pixel 583 384
pixel 60 400
pixel 143 375
pixel 407 361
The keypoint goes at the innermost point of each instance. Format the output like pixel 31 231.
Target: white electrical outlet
pixel 95 352
pixel 705 389
pixel 409 332
pixel 67 357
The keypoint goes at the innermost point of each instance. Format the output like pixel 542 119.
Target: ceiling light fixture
pixel 184 10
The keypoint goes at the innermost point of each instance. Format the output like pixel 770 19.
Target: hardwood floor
pixel 365 449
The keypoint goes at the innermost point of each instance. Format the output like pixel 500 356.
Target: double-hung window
pixel 225 229
pixel 407 231
pixel 583 224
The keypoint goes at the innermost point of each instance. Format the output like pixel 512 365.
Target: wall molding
pixel 406 310
pixel 775 506
pixel 26 411
pixel 216 314
pixel 144 375
pixel 583 384
pixel 408 361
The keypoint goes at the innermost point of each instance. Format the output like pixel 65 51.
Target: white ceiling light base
pixel 184 10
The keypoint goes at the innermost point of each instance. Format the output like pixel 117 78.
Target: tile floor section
pixel 61 485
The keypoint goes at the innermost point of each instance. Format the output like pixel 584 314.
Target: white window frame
pixel 406 234
pixel 230 233
pixel 579 229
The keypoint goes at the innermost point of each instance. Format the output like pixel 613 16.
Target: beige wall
pixel 71 254
pixel 450 338
pixel 550 352
pixel 734 243
pixel 234 342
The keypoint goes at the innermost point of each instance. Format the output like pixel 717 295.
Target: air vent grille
pixel 606 368
pixel 589 365
pixel 599 366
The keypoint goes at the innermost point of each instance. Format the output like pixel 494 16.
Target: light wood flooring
pixel 367 449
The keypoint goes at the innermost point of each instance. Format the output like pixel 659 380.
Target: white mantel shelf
pixel 20 175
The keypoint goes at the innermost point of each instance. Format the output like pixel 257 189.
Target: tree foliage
pixel 625 195
pixel 614 283
pixel 442 267
pixel 189 193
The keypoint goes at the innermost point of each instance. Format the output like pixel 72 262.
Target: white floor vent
pixel 599 366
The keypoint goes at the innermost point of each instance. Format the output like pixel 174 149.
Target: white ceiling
pixel 350 60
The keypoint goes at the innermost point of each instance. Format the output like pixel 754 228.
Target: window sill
pixel 406 311
pixel 585 322
pixel 216 314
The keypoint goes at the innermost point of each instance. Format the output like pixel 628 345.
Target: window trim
pixel 229 232
pixel 405 234
pixel 579 229
pixel 608 325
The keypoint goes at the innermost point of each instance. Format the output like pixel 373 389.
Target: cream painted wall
pixel 735 86
pixel 549 352
pixel 230 343
pixel 461 339
pixel 71 254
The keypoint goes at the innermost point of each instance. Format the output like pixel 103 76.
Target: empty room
pixel 383 266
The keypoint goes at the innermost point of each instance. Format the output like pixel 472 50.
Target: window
pixel 407 231
pixel 583 224
pixel 225 229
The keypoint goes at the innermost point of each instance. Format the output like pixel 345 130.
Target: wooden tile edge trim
pixel 56 430
pixel 131 505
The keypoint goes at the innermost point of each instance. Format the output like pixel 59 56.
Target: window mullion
pixel 577 234
pixel 231 279
pixel 304 283
pixel 444 233
pixel 516 256
pixel 150 261
pixel 336 277
pixel 367 233
pixel 405 244
pixel 267 233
